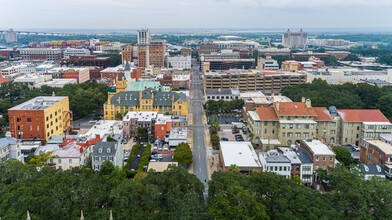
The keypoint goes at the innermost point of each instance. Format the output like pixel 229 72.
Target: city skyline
pixel 120 14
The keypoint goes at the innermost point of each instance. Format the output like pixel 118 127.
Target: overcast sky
pixel 96 14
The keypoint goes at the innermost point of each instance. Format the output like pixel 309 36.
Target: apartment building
pixel 133 120
pixel 107 151
pixel 40 118
pixel 288 122
pixel 252 80
pixel 276 162
pixel 379 152
pixel 127 53
pixel 357 124
pixel 143 59
pixel 208 48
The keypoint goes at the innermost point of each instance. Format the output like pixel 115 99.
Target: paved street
pixel 200 168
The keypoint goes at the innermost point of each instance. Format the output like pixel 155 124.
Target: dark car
pixel 235 132
pixel 134 139
pixel 224 139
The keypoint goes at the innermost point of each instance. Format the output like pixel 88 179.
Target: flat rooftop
pixel 387 148
pixel 241 154
pixel 141 116
pixel 39 103
pixel 319 148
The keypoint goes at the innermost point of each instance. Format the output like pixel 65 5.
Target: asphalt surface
pixel 229 118
pixel 200 168
pixel 135 162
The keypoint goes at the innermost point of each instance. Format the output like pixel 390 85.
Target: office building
pixel 10 36
pixel 267 64
pixel 208 48
pixel 156 50
pixel 180 62
pixel 127 53
pixel 40 118
pixel 143 36
pixel 294 39
pixel 143 59
pixel 252 80
pixel 40 54
pixel 75 52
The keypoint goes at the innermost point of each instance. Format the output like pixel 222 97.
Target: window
pixel 31 127
pixel 265 131
pixel 330 159
pixel 317 158
pixel 284 168
pixel 283 126
pixel 298 126
pixel 283 134
pixel 103 158
pixel 332 131
pixel 70 160
pixel 317 167
pixel 323 158
pixel 28 119
pixel 265 123
pixel 59 160
pixel 96 158
pixel 37 127
pixel 280 168
pixel 323 167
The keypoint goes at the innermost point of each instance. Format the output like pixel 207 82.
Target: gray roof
pixel 131 98
pixel 387 137
pixel 303 156
pixel 101 149
pixel 39 103
pixel 278 158
pixel 372 169
pixel 218 92
pixel 7 140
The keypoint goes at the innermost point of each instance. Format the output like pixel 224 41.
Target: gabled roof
pixel 322 114
pixel 101 149
pixel 267 114
pixel 362 115
pixel 3 80
pixel 294 109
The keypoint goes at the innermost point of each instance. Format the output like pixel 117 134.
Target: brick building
pixel 40 118
pixel 86 61
pixel 142 57
pixel 40 54
pixel 157 52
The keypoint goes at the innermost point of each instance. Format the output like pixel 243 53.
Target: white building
pixel 110 46
pixel 75 52
pixel 221 94
pixel 10 149
pixel 10 36
pixel 267 64
pixel 33 79
pixel 277 162
pixel 240 154
pixel 143 36
pixel 69 156
pixel 177 136
pixel 104 128
pixel 180 62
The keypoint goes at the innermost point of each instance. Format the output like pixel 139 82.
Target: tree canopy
pixel 345 96
pixel 183 154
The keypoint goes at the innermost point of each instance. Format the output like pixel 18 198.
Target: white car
pixel 166 147
pixel 155 147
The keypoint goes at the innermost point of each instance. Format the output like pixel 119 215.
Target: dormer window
pixel 100 150
pixel 108 150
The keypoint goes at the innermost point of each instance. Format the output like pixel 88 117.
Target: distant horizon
pixel 163 30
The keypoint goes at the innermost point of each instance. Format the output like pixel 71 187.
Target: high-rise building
pixel 10 36
pixel 157 52
pixel 294 39
pixel 40 118
pixel 143 36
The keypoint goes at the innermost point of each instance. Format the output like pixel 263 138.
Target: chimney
pixel 277 105
pixel 303 99
pixel 308 103
pixel 97 136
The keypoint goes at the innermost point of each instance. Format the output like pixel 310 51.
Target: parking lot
pixel 228 133
pixel 229 118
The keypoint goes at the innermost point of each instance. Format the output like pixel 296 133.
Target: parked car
pixel 134 139
pixel 153 160
pixel 225 139
pixel 160 147
pixel 166 147
pixel 151 141
pixel 235 132
pixel 237 135
pixel 155 147
pixel 138 155
pixel 92 121
pixel 145 144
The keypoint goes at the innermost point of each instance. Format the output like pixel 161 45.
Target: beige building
pixel 252 80
pixel 287 123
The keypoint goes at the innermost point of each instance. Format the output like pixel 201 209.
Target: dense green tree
pixel 343 155
pixel 142 133
pixel 183 154
pixel 385 105
pixel 214 139
pixel 369 94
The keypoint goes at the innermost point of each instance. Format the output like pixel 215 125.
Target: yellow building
pixel 121 101
pixel 40 118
